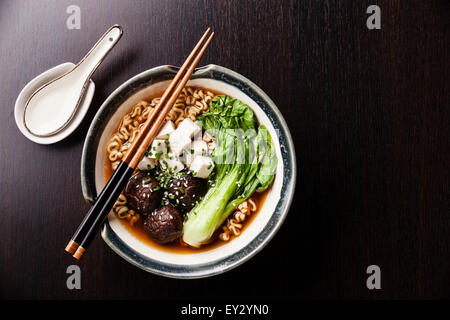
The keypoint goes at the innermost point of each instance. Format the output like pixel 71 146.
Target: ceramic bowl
pixel 256 235
pixel 38 82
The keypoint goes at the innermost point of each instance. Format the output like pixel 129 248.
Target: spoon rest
pixel 51 108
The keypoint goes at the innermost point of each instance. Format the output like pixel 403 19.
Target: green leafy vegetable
pixel 245 161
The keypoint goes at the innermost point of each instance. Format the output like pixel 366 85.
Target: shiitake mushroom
pixel 165 224
pixel 143 193
pixel 184 191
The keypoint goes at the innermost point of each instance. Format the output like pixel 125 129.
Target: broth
pixel 138 231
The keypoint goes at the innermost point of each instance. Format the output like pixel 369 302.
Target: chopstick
pixel 131 151
pixel 95 217
pixel 123 172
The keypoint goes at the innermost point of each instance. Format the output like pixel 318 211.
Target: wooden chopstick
pixel 167 93
pixel 96 215
pixel 150 136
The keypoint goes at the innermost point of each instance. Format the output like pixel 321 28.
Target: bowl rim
pixel 215 72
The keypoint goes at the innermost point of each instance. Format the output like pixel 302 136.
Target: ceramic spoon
pixel 51 108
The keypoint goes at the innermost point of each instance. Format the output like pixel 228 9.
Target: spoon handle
pixel 95 56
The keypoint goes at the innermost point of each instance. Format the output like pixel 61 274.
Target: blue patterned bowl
pixel 256 235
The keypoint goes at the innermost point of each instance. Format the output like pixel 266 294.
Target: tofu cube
pixel 179 142
pixel 147 163
pixel 166 130
pixel 201 166
pixel 198 135
pixel 198 147
pixel 171 163
pixel 188 128
pixel 157 149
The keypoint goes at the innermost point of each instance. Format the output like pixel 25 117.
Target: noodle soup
pixel 192 103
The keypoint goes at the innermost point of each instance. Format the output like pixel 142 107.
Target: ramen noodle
pixel 190 103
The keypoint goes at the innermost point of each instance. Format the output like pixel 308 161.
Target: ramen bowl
pixel 264 225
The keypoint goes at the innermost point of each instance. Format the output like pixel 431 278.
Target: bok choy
pixel 245 161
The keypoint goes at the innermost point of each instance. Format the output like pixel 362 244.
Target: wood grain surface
pixel 368 110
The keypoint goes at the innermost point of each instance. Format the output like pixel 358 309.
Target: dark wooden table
pixel 368 110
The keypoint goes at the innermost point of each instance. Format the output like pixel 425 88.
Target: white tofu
pixel 171 163
pixel 147 163
pixel 198 147
pixel 166 130
pixel 201 166
pixel 198 135
pixel 187 128
pixel 179 142
pixel 187 157
pixel 157 149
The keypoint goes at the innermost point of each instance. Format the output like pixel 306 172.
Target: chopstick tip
pixel 71 247
pixel 79 253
